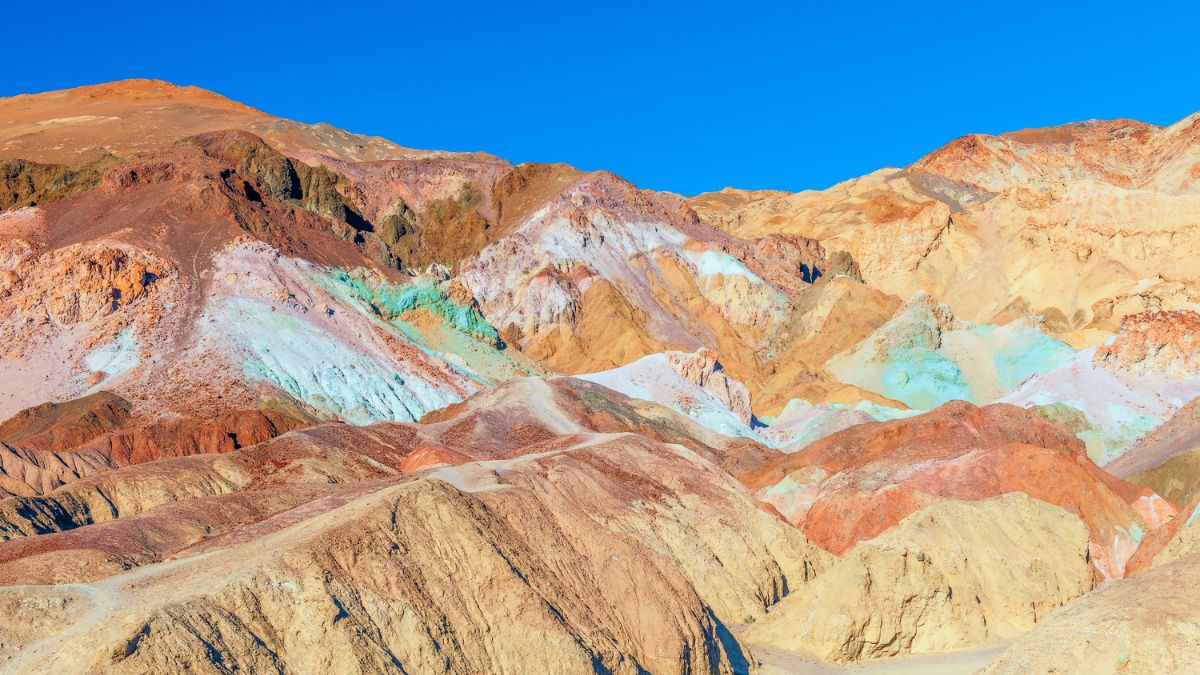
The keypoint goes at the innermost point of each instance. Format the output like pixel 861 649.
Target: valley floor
pixel 775 661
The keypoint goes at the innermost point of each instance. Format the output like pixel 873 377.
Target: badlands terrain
pixel 277 397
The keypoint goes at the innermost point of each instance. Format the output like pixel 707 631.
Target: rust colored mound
pixel 938 435
pixel 186 436
pixel 123 117
pixel 858 483
pixel 333 453
pixel 74 440
pixel 59 426
pixel 106 548
pixel 430 456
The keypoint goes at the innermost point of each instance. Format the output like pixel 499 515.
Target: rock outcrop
pixel 950 576
pixel 1137 625
pixel 858 483
pixel 1162 345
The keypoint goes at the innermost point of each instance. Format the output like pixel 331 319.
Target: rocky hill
pixel 277 397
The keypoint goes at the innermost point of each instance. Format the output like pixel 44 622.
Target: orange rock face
pixel 61 426
pixel 132 116
pixel 1162 343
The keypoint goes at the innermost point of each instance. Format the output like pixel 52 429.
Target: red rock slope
pixel 857 483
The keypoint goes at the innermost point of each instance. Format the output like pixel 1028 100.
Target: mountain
pixel 279 397
pixel 1079 225
pixel 133 116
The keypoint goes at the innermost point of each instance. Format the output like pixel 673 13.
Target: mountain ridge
pixel 279 397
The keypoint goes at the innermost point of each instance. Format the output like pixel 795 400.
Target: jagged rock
pixel 1155 344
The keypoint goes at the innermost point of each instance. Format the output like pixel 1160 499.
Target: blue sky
pixel 671 95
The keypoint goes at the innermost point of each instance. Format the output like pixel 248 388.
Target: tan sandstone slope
pixel 950 576
pixel 526 528
pixel 559 575
pixel 1146 624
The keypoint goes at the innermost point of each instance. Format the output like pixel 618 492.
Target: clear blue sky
pixel 681 96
